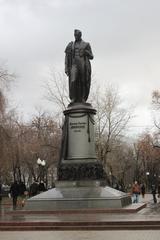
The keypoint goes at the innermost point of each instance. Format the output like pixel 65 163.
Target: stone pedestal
pixel 78 158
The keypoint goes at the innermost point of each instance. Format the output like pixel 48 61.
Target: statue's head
pixel 77 34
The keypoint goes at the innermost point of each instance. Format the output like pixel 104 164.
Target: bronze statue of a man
pixel 78 68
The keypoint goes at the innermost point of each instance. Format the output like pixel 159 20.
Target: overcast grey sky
pixel 124 35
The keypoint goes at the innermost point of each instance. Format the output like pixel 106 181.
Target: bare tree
pixel 156 99
pixel 156 117
pixel 57 90
pixel 147 158
pixel 121 164
pixel 111 121
pixel 5 79
pixel 38 139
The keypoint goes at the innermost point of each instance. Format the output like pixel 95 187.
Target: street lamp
pixel 39 161
pixel 41 164
pixel 111 178
pixel 147 174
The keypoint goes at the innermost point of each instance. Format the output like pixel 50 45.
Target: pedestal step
pixel 90 197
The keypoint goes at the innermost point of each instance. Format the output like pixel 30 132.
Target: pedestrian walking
pixel 14 191
pixel 154 191
pixel 22 192
pixel 135 192
pixel 143 190
pixel 158 190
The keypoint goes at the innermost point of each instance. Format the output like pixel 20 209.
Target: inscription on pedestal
pixel 77 126
pixel 81 143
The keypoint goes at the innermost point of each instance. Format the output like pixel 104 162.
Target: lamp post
pixel 111 180
pixel 147 174
pixel 41 164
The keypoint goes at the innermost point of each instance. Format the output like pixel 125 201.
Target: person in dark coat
pixel 159 190
pixel 0 191
pixel 154 193
pixel 14 191
pixel 41 187
pixel 34 189
pixel 22 190
pixel 143 190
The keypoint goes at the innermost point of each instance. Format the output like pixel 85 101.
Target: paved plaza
pixel 82 235
pixel 150 213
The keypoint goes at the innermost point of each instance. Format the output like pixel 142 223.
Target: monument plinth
pixel 80 174
pixel 78 158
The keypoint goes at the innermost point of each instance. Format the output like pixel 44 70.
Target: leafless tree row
pixel 21 143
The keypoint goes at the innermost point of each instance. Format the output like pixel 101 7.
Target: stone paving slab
pixel 82 235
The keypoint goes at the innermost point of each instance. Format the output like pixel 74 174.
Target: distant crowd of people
pixel 20 190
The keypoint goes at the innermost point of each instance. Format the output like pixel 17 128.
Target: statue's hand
pixel 66 72
pixel 88 54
